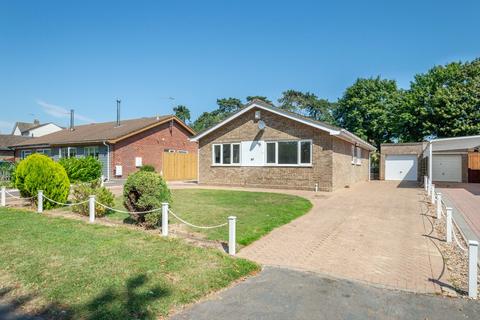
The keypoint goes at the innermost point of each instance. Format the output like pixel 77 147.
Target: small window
pixel 353 154
pixel 72 152
pixel 169 150
pixel 25 153
pixel 288 152
pixel 217 154
pixel 305 152
pixel 226 153
pixel 91 152
pixel 271 152
pixel 358 159
pixel 235 153
pixel 182 151
pixel 63 153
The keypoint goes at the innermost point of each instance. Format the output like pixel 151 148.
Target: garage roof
pixel 457 143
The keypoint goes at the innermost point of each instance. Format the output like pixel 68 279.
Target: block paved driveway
pixel 373 232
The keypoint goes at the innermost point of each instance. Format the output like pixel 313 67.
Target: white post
pixel 449 224
pixel 102 180
pixel 316 187
pixel 433 193
pixel 2 202
pixel 91 208
pixel 165 219
pixel 472 268
pixel 40 201
pixel 425 183
pixel 232 221
pixel 430 163
pixel 439 206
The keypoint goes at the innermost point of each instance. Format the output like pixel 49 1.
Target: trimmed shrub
pixel 82 169
pixel 145 191
pixel 147 168
pixel 82 191
pixel 39 172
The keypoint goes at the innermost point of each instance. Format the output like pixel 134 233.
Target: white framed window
pixel 25 153
pixel 92 152
pixel 288 153
pixel 353 154
pixel 72 152
pixel 182 151
pixel 358 160
pixel 226 154
pixel 44 151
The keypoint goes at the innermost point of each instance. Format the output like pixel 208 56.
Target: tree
pixel 263 98
pixel 367 108
pixel 308 105
pixel 182 112
pixel 443 102
pixel 207 120
pixel 229 105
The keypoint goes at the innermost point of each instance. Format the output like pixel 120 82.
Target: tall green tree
pixel 308 104
pixel 368 108
pixel 229 105
pixel 182 112
pixel 443 102
pixel 263 98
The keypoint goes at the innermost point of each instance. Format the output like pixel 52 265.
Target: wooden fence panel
pixel 474 160
pixel 179 166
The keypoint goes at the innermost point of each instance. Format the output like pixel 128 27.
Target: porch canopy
pixel 460 144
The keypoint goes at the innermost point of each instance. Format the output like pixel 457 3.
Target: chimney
pixel 118 113
pixel 36 122
pixel 72 117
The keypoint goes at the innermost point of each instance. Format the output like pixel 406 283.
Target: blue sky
pixel 57 55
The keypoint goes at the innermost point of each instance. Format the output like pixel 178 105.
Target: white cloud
pixel 61 112
pixel 6 127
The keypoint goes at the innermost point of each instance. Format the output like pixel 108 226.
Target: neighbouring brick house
pixel 121 147
pixel 263 146
pixel 6 140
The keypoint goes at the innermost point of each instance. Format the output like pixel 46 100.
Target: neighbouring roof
pixel 24 126
pixel 456 143
pixel 100 132
pixel 7 140
pixel 332 130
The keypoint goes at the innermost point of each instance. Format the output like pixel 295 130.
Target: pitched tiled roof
pixel 7 140
pixel 24 126
pixel 99 132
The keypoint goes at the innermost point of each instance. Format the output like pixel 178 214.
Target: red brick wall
pixel 150 145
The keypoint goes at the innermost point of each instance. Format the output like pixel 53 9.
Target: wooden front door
pixel 179 166
pixel 474 167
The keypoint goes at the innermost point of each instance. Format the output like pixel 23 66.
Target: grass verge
pixel 75 270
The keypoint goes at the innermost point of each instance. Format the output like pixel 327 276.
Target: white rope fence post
pixel 316 187
pixel 439 205
pixel 472 269
pixel 232 221
pixel 3 197
pixel 449 224
pixel 425 183
pixel 165 219
pixel 433 193
pixel 40 201
pixel 91 208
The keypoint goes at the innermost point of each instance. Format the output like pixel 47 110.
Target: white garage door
pixel 401 167
pixel 447 168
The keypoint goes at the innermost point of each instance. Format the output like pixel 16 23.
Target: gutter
pixel 108 159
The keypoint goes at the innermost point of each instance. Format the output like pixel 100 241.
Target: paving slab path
pixel 376 232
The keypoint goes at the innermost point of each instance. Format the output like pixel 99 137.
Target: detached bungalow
pixel 264 146
pixel 122 147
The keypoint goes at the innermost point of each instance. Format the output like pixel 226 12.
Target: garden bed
pixel 67 268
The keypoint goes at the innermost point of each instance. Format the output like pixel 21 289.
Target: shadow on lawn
pixel 132 302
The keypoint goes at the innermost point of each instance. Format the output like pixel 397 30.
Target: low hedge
pixel 82 169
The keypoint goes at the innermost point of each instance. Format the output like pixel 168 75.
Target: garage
pixel 401 167
pixel 447 168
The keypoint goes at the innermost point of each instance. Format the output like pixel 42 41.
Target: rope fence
pixel 165 212
pixel 471 251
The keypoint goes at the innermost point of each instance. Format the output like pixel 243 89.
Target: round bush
pixel 145 191
pixel 39 172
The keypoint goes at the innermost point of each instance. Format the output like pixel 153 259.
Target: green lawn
pixel 99 272
pixel 257 213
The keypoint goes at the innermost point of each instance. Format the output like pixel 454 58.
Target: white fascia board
pixel 318 126
pixel 350 137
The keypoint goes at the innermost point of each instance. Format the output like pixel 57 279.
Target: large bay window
pixel 226 154
pixel 263 153
pixel 92 152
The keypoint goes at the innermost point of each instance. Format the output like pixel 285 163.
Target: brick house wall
pixel 415 148
pixel 150 146
pixel 245 128
pixel 346 173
